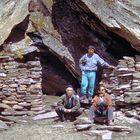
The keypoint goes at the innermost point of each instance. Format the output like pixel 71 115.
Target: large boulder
pixel 120 17
pixel 12 13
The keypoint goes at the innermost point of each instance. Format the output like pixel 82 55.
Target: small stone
pixel 3 126
pixel 58 126
pixel 13 85
pixel 17 107
pixel 3 75
pixel 4 106
pixel 22 87
pixel 83 127
pixel 83 120
pixel 9 102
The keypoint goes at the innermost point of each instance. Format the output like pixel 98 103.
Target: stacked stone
pixel 20 83
pixel 123 83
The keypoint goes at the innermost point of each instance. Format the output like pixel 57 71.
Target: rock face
pixel 12 13
pixel 58 32
pixel 120 17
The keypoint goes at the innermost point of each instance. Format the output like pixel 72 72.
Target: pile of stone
pixel 123 83
pixel 20 83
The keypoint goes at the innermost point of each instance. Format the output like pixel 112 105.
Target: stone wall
pixel 20 84
pixel 123 83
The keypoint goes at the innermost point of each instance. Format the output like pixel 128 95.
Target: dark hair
pixel 69 86
pixel 100 87
pixel 91 47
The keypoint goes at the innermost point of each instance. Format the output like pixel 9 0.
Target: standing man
pixel 68 106
pixel 88 65
pixel 101 106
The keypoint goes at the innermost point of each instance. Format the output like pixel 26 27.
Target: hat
pixel 69 86
pixel 91 47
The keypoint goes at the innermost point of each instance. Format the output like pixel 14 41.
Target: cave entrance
pixel 55 76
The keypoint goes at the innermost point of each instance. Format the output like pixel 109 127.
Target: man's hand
pixel 111 67
pixel 67 110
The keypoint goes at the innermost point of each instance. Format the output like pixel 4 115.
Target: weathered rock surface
pixel 111 15
pixel 12 13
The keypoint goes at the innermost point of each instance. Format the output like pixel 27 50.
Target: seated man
pixel 102 106
pixel 68 106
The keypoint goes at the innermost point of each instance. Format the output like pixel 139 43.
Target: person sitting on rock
pixel 101 106
pixel 88 65
pixel 68 107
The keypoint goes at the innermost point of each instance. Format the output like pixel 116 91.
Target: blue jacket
pixel 91 62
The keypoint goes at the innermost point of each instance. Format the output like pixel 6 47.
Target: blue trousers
pixel 88 82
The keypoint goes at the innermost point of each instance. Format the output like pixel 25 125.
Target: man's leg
pixel 91 114
pixel 84 84
pixel 92 79
pixel 60 113
pixel 110 116
pixel 75 114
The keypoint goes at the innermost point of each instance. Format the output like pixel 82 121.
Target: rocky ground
pixel 49 129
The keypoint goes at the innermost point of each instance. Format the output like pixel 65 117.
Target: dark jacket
pixel 75 103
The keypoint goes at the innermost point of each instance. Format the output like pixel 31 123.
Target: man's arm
pixel 109 100
pixel 102 62
pixel 94 101
pixel 82 62
pixel 60 103
pixel 77 106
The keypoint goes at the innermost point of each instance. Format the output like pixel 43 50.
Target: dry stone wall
pixel 123 83
pixel 20 84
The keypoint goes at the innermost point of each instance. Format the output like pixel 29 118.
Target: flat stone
pixel 14 113
pixel 22 87
pixel 103 134
pixel 23 81
pixel 3 126
pixel 82 120
pixel 136 75
pixel 124 86
pixel 17 107
pixel 9 102
pixel 24 104
pixel 38 108
pixel 58 126
pixel 83 127
pixel 130 113
pixel 48 115
pixel 4 106
pixel 13 85
pixel 43 111
pixel 3 75
pixel 132 97
pixel 116 128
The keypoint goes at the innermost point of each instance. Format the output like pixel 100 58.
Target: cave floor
pixel 27 129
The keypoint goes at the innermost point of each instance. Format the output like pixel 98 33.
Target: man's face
pixel 102 91
pixel 69 91
pixel 90 51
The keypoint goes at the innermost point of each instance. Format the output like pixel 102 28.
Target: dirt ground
pixel 27 129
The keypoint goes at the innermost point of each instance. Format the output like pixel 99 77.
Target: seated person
pixel 68 106
pixel 101 106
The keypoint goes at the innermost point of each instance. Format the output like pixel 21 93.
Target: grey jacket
pixel 62 103
pixel 90 62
